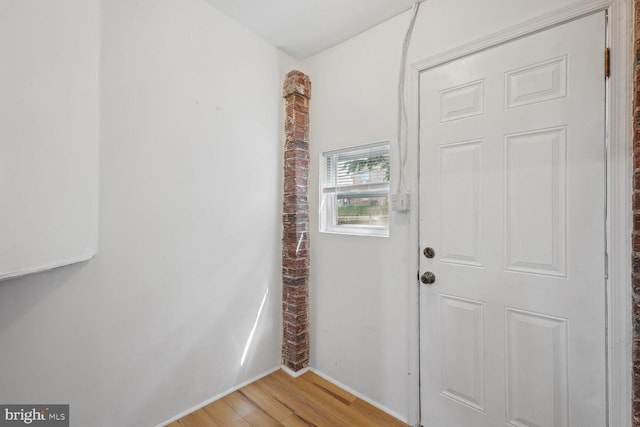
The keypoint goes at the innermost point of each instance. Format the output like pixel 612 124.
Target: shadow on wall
pixel 48 336
pixel 188 342
pixel 23 295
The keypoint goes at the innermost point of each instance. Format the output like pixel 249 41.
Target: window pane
pixel 362 170
pixel 363 211
pixel 355 190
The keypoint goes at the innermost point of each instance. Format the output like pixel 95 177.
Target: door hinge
pixel 607 63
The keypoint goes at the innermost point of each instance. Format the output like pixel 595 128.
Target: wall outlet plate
pixel 400 202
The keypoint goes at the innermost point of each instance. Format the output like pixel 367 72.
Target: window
pixel 354 193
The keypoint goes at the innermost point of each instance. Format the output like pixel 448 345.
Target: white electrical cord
pixel 402 123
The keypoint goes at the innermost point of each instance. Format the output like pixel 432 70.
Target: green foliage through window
pixel 372 163
pixel 355 190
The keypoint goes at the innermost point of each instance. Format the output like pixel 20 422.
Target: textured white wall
pixel 189 226
pixel 363 288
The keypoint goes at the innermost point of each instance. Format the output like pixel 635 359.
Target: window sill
pixel 358 231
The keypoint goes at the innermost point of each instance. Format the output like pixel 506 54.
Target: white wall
pixel 358 294
pixel 363 288
pixel 190 216
pixel 49 112
pixel 189 225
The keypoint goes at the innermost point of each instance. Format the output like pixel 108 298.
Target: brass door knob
pixel 428 278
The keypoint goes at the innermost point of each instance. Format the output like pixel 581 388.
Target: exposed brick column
pixel 636 217
pixel 295 221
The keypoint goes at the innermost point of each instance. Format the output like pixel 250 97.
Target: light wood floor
pixel 279 400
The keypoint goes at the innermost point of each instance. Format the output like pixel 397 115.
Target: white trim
pixel 46 267
pixel 355 230
pixel 216 397
pixel 359 395
pixel 541 23
pixel 383 143
pixel 619 180
pixel 413 134
pixel 619 213
pixel 328 209
pixel 293 374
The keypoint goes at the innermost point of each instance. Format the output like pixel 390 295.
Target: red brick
pixel 636 222
pixel 297 83
pixel 295 223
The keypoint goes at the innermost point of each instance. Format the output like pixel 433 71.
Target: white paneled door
pixel 512 176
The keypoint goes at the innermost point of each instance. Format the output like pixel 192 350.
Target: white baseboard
pixel 295 374
pixel 217 397
pixel 360 396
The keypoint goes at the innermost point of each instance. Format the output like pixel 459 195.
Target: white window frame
pixel 328 211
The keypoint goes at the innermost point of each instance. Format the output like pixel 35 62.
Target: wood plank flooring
pixel 281 401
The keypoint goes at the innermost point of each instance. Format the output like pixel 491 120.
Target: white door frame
pixel 619 173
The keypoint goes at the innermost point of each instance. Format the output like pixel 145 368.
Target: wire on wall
pixel 402 122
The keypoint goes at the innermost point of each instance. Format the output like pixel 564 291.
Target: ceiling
pixel 303 28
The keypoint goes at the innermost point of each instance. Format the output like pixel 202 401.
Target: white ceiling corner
pixel 303 28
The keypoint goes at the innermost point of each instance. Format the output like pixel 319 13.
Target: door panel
pixel 535 201
pixel 462 347
pixel 512 167
pixel 460 197
pixel 536 386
